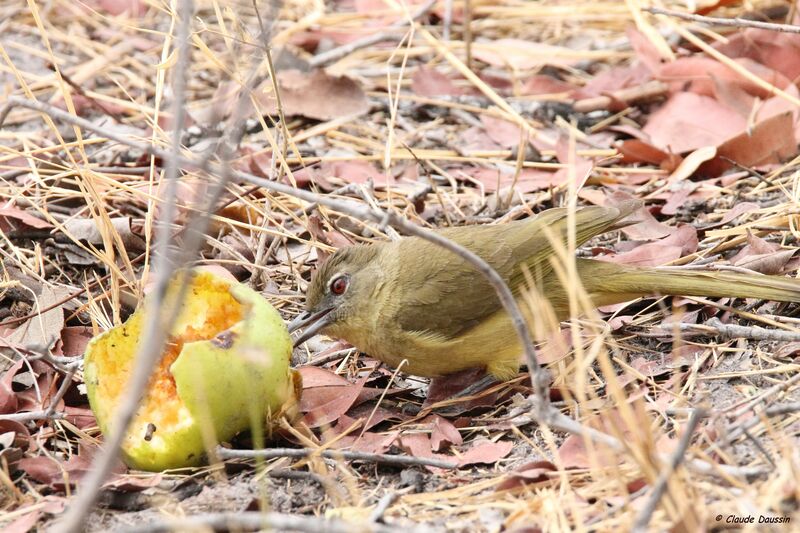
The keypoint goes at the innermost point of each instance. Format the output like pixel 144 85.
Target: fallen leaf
pixel 527 474
pixel 369 442
pixel 653 254
pixel 503 132
pixel 698 74
pixel 736 211
pixel 324 405
pixel 789 350
pixel 8 398
pixel 44 328
pixel 692 162
pixel 485 452
pixel 74 340
pixel 10 212
pixel 316 95
pixel 769 141
pixel 419 445
pixel 131 8
pixel 444 434
pixel 539 84
pixel 769 263
pixel 319 377
pixel 688 121
pixel 776 51
pixel 430 82
pixel 87 230
pixel 519 54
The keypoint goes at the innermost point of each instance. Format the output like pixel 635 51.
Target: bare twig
pixel 300 453
pixel 391 33
pixel 735 22
pixel 383 505
pixel 677 457
pixel 735 331
pixel 158 320
pixel 253 521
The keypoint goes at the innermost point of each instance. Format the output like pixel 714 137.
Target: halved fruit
pixel 225 368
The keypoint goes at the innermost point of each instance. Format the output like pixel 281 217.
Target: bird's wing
pixel 451 297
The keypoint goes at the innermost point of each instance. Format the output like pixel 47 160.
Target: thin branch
pixel 49 413
pixel 677 457
pixel 714 326
pixel 735 22
pixel 302 453
pixel 383 505
pixel 254 521
pixel 391 33
pixel 157 319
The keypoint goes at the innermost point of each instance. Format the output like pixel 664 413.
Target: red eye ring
pixel 339 285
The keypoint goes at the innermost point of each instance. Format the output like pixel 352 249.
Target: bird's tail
pixel 609 283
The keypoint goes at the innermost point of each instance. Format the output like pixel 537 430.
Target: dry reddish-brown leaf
pixel 639 151
pixel 504 133
pixel 486 452
pixel 8 213
pixel 8 398
pixel 354 171
pixel 323 405
pixel 523 55
pixel 73 341
pixel 31 515
pixel 527 474
pixel 368 441
pixel 419 445
pixel 688 121
pixel 762 256
pixel 770 141
pixel 692 162
pixel 543 84
pixel 789 350
pixel 648 229
pixel 529 179
pixel 80 417
pixel 699 75
pixel 430 82
pixel 614 79
pixel 319 377
pixel 736 211
pixel 644 48
pixel 131 8
pixel 443 434
pixel 678 198
pixel 775 50
pixel 57 474
pixel 683 241
pixel 315 95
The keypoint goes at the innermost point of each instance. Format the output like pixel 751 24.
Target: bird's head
pixel 339 288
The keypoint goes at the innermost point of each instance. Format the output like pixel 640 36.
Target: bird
pixel 411 301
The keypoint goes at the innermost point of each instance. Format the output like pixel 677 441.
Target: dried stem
pixel 734 22
pixel 300 453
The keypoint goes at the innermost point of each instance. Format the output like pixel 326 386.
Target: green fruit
pixel 225 369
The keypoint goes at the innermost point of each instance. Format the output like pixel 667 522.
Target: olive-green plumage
pixel 412 300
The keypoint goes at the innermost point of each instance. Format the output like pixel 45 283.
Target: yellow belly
pixel 492 344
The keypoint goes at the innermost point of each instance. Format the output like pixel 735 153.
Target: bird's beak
pixel 313 322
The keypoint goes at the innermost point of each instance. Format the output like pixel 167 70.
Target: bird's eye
pixel 339 285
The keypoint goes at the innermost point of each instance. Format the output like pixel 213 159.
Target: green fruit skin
pixel 239 380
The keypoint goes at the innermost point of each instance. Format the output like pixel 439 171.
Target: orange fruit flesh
pixel 208 310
